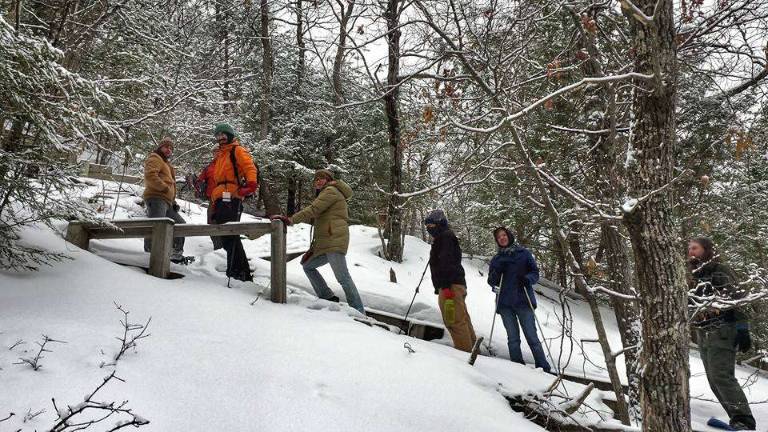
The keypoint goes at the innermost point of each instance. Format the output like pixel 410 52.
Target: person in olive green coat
pixel 720 332
pixel 329 216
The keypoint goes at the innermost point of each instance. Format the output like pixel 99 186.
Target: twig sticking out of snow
pixel 29 416
pixel 9 416
pixel 15 344
pixel 408 347
pixel 34 362
pixel 131 332
pixel 73 418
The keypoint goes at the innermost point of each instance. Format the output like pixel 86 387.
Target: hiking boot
pixel 742 425
pixel 177 257
pixel 334 299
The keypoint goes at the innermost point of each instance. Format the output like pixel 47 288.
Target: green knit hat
pixel 225 128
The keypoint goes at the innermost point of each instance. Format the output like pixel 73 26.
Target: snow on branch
pixel 458 178
pixel 76 418
pixel 637 13
pixel 559 92
pixel 575 195
pixel 610 292
pixel 630 205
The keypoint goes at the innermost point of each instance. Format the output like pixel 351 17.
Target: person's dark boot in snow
pixel 742 423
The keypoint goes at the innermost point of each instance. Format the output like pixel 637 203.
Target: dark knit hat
pixel 324 173
pixel 436 217
pixel 509 234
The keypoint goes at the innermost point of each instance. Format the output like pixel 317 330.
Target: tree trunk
pixel 268 194
pixel 338 61
pixel 290 205
pixel 627 312
pixel 658 261
pixel 394 210
pixel 301 62
pixel 267 67
pixel 222 25
pixel 600 114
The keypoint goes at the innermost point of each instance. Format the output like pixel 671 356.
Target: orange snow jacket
pixel 222 174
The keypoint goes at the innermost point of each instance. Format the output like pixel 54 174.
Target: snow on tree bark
pixel 658 262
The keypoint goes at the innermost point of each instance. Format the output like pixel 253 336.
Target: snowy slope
pixel 217 360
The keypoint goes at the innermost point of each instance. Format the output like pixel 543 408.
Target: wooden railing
pixel 163 230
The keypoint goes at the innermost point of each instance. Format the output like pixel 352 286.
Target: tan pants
pixel 462 332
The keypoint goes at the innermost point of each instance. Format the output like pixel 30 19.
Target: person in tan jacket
pixel 329 216
pixel 160 193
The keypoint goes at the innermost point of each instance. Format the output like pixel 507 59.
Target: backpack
pixel 241 181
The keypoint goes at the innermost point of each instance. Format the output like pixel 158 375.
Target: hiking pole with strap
pixel 493 323
pixel 405 320
pixel 538 324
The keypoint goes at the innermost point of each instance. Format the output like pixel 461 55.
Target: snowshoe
pixel 183 260
pixel 719 424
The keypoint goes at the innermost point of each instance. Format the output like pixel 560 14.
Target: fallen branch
pixel 573 405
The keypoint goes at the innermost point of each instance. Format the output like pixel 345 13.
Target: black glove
pixel 742 341
pixel 176 207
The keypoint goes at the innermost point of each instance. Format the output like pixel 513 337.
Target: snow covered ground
pixel 228 359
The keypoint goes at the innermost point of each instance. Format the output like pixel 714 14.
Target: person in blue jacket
pixel 512 274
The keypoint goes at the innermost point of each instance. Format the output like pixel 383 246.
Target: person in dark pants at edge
pixel 720 332
pixel 235 177
pixel 160 193
pixel 329 216
pixel 512 274
pixel 448 279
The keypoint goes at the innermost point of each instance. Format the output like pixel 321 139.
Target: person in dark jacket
pixel 448 280
pixel 512 274
pixel 719 332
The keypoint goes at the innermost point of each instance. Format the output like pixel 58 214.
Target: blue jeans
pixel 338 264
pixel 510 316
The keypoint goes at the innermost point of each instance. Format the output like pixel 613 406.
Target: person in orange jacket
pixel 231 177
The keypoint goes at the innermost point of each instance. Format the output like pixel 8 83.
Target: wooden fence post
pixel 162 242
pixel 278 262
pixel 77 234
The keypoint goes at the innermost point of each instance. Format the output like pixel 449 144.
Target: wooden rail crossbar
pixel 163 230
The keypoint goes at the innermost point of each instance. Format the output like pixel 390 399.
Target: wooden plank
pixel 160 255
pixel 278 262
pixel 111 233
pixel 117 178
pixel 251 229
pixel 78 235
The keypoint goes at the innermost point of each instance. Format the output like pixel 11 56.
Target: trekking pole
pixel 493 323
pixel 538 324
pixel 405 320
